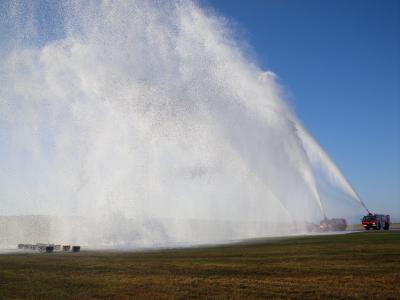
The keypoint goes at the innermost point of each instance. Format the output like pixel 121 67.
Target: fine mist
pixel 130 124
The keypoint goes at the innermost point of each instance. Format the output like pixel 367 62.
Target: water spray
pixel 142 123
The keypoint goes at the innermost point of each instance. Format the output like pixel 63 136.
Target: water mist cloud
pixel 146 121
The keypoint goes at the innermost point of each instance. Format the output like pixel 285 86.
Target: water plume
pixel 142 123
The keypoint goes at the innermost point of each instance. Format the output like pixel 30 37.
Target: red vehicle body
pixel 376 222
pixel 333 225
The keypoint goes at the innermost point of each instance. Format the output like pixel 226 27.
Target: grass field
pixel 357 265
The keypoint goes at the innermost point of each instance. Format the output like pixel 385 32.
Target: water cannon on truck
pixel 376 221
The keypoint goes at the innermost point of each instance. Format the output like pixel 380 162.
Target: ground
pixel 356 265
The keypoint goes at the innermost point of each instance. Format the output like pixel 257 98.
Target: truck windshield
pixel 369 218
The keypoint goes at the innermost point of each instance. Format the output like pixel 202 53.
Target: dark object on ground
pixel 333 224
pixel 49 249
pixel 76 248
pixel 376 221
pixel 41 247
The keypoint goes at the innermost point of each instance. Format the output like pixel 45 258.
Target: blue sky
pixel 339 62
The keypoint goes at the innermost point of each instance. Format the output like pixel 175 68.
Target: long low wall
pixel 38 229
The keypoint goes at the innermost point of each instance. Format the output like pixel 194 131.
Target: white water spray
pixel 145 121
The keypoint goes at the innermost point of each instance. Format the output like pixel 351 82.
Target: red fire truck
pixel 333 224
pixel 376 221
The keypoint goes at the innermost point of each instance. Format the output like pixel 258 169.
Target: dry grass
pixel 358 265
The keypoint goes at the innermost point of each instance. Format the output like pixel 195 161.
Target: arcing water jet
pixel 146 122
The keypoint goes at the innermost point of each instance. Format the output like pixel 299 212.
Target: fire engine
pixel 376 221
pixel 333 224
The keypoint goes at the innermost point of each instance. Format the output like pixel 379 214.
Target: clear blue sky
pixel 340 64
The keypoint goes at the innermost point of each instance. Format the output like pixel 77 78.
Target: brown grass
pixel 351 266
